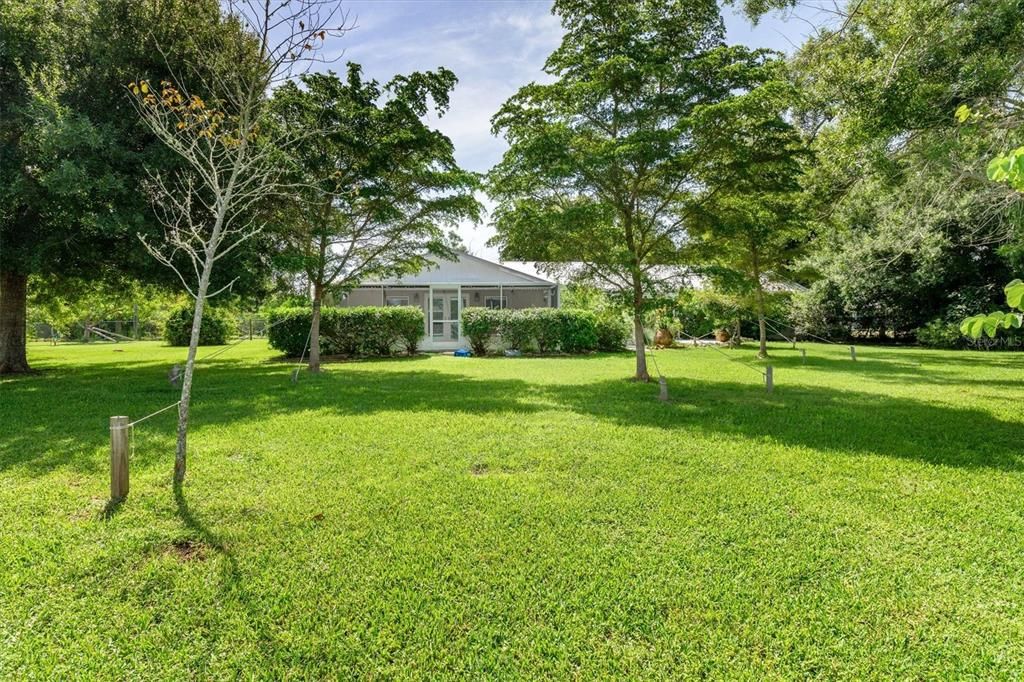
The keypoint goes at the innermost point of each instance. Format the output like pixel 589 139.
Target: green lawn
pixel 517 518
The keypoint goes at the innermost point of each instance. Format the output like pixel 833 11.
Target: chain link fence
pixel 116 331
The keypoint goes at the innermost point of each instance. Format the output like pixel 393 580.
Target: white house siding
pixel 478 280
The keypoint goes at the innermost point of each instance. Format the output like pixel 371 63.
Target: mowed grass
pixel 438 517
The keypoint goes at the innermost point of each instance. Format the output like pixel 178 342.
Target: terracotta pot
pixel 722 335
pixel 663 338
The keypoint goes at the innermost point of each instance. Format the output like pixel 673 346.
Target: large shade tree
pixel 74 158
pixel 906 101
pixel 377 186
pixel 605 168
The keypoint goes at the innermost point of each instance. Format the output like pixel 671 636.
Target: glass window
pixel 398 300
pixel 495 302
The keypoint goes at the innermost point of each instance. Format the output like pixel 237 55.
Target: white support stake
pixel 803 355
pixel 853 353
pixel 663 390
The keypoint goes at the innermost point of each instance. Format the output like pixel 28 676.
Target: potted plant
pixel 664 338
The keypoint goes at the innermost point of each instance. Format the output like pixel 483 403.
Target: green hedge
pixel 480 326
pixel 543 329
pixel 613 332
pixel 353 332
pixel 214 331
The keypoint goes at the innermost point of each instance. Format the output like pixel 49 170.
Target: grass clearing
pixel 528 517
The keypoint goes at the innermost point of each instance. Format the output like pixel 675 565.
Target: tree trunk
pixel 314 330
pixel 762 351
pixel 641 350
pixel 186 382
pixel 13 295
pixel 638 330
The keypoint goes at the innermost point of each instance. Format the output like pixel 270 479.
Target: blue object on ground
pixel 463 353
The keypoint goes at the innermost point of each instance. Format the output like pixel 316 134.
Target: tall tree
pixel 228 146
pixel 753 227
pixel 73 155
pixel 378 185
pixel 909 230
pixel 605 167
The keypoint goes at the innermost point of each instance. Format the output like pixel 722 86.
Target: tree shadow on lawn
pixel 892 367
pixel 814 417
pixel 64 422
pixel 819 418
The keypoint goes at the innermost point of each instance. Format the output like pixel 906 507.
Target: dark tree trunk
pixel 13 295
pixel 314 331
pixel 638 331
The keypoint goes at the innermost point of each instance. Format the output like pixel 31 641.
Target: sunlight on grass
pixel 439 516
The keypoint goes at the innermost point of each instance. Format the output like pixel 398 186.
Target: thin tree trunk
pixel 13 295
pixel 638 331
pixel 641 350
pixel 762 326
pixel 186 382
pixel 759 302
pixel 314 332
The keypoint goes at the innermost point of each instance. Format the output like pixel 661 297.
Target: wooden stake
pixel 853 353
pixel 769 383
pixel 118 458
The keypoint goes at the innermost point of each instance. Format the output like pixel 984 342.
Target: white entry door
pixel 444 316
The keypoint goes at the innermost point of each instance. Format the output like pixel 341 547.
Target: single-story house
pixel 449 286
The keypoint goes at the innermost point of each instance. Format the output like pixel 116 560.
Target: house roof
pixel 466 270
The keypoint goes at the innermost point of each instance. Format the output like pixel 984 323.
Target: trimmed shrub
pixel 517 328
pixel 480 326
pixel 549 327
pixel 353 332
pixel 578 331
pixel 214 331
pixel 545 329
pixel 409 326
pixel 612 332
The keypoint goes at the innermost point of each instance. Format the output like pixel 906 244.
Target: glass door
pixel 444 315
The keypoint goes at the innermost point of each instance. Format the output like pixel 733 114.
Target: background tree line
pixel 657 155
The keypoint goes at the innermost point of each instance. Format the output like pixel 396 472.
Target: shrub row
pixel 354 332
pixel 545 329
pixel 215 330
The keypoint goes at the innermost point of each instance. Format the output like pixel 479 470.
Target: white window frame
pixel 502 302
pixel 390 304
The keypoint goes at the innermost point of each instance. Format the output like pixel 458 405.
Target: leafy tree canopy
pixel 608 163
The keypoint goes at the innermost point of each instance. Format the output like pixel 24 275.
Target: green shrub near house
pixel 215 330
pixel 545 330
pixel 612 331
pixel 365 331
pixel 480 326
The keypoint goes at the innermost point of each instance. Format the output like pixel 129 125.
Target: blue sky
pixel 494 47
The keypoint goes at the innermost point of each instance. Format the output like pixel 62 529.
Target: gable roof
pixel 467 269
